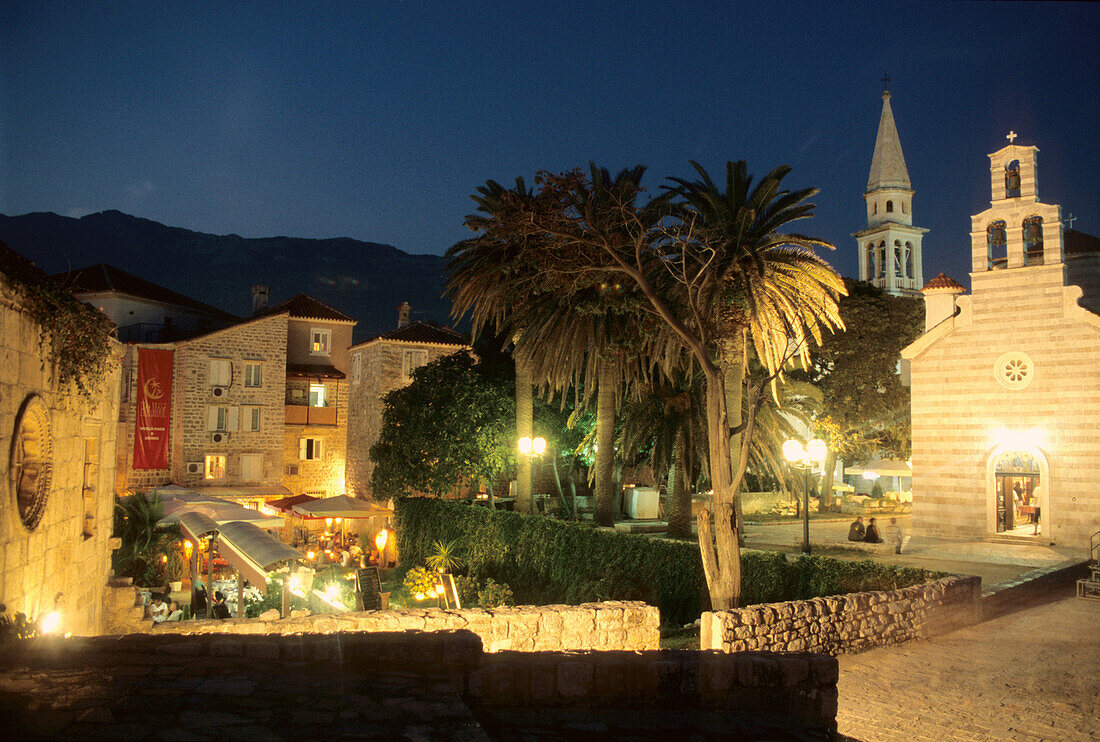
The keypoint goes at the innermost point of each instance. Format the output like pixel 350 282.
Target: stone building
pixel 258 409
pixel 378 366
pixel 889 248
pixel 1005 382
pixel 143 311
pixel 58 467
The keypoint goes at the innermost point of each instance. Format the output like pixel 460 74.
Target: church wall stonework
pixel 63 563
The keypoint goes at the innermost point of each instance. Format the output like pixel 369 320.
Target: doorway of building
pixel 1017 479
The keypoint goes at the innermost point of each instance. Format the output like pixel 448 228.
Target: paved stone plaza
pixel 1030 675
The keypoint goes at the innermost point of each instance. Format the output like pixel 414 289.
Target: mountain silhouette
pixel 365 280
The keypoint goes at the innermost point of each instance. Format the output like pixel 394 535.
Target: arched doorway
pixel 1017 501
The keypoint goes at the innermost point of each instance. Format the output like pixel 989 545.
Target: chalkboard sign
pixel 368 589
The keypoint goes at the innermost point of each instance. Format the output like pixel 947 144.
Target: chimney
pixel 259 297
pixel 403 315
pixel 939 300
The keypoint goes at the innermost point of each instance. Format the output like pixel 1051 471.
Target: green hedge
pixel 549 561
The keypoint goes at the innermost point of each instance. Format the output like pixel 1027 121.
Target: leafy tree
pixel 452 425
pixel 865 407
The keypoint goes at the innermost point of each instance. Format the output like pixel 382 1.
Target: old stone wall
pixel 322 477
pixel 846 623
pixel 406 685
pixel 379 372
pixel 62 561
pixel 614 625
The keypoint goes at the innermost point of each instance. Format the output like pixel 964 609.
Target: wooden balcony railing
pixel 306 415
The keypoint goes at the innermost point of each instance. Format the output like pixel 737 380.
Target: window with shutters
pixel 320 341
pixel 221 372
pixel 356 368
pixel 252 374
pixel 252 467
pixel 252 416
pixel 412 360
pixel 221 418
pixel 310 449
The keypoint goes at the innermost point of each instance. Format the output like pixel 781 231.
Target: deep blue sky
pixel 377 120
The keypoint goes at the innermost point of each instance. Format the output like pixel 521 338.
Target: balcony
pixel 300 414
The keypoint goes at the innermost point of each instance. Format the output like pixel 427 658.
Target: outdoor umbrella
pixel 219 511
pixel 286 504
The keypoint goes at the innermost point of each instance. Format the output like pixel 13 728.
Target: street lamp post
pixel 805 457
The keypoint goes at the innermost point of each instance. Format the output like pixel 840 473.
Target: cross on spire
pixel 885 83
pixel 1011 137
pixel 1070 220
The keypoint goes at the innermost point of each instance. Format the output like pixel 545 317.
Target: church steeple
pixel 888 163
pixel 890 247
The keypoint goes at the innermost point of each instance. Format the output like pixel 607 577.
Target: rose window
pixel 1014 370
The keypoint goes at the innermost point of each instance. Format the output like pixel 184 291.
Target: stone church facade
pixel 1006 381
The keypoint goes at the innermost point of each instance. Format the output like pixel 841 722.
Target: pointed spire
pixel 888 164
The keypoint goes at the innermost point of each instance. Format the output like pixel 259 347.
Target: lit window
pixel 316 395
pixel 215 467
pixel 320 342
pixel 252 467
pixel 310 449
pixel 221 372
pixel 412 360
pixel 252 374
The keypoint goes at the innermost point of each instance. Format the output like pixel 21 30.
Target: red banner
pixel 154 404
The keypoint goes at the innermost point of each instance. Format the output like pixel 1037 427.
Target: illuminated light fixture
pixel 50 622
pixel 1033 438
pixel 532 446
pixel 380 539
pixel 311 555
pixel 328 521
pixel 164 559
pixel 870 476
pixel 806 456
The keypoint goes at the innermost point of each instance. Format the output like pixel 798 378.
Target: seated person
pixel 159 609
pixel 220 609
pixel 175 613
pixel 198 606
pixel 872 536
pixel 856 531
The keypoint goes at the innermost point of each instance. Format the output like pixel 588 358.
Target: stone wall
pixel 846 623
pixel 61 562
pixel 613 625
pixel 380 371
pixel 396 686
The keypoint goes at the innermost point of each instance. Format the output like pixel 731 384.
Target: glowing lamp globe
pixel 793 450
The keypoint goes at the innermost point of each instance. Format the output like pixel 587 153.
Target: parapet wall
pixel 251 681
pixel 847 623
pixel 614 625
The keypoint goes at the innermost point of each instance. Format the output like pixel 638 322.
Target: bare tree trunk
pixel 557 484
pixel 732 362
pixel 825 503
pixel 605 445
pixel 718 545
pixel 679 494
pixel 525 426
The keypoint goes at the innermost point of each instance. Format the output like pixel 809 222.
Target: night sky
pixel 377 120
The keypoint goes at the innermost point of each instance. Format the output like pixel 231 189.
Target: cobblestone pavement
pixel 1030 675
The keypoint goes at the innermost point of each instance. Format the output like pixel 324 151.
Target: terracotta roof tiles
pixel 943 281
pixel 304 306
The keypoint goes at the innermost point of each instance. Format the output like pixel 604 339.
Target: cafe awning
pixel 196 526
pixel 219 511
pixel 882 468
pixel 342 506
pixel 253 552
pixel 233 492
pixel 286 504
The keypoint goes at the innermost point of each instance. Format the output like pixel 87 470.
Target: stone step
pixel 1018 540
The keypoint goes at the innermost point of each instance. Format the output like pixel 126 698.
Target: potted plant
pixel 175 567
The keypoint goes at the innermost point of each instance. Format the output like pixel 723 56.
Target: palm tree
pixel 743 282
pixel 143 542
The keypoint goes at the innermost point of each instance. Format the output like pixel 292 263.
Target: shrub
pixel 494 595
pixel 876 491
pixel 420 581
pixel 468 589
pixel 548 561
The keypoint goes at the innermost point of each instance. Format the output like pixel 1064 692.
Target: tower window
pixel 889 207
pixel 899 260
pixel 880 267
pixel 909 273
pixel 1012 179
pixel 904 208
pixel 874 207
pixel 870 274
pixel 1033 240
pixel 997 244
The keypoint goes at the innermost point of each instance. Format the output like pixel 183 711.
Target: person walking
pixel 894 533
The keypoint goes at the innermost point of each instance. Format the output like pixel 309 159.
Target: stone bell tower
pixel 889 248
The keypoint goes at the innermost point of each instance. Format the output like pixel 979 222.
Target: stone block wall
pixel 63 562
pixel 250 683
pixel 614 625
pixel 846 623
pixel 327 475
pixel 380 366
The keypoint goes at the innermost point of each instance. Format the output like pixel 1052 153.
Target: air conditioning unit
pixel 292 470
pixel 219 392
pixel 219 437
pixel 194 467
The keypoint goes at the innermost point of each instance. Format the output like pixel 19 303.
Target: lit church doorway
pixel 1016 488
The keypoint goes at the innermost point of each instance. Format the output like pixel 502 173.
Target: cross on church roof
pixel 1011 137
pixel 885 84
pixel 1070 220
